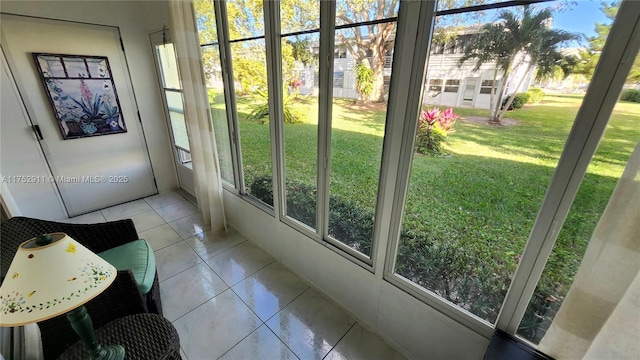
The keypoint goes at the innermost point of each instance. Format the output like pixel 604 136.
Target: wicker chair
pixel 122 298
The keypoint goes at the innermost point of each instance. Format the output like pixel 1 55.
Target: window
pixel 300 72
pixel 486 86
pixel 338 79
pixel 435 85
pixel 467 218
pixel 437 48
pixel 356 148
pixel 461 217
pixel 248 65
pixel 587 210
pixel 451 86
pixel 461 43
pixel 210 52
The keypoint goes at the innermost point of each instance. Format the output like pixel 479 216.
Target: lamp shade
pixel 49 280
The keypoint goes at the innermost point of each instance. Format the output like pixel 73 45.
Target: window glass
pixel 248 63
pixel 620 138
pixel 207 34
pixel 168 66
pixel 435 85
pixel 355 11
pixel 452 86
pixel 358 124
pixel 300 67
pixel 250 81
pixel 246 19
pixel 299 15
pixel 205 21
pixel 176 115
pixel 215 95
pixel 475 188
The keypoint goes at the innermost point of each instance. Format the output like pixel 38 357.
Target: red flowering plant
pixel 432 130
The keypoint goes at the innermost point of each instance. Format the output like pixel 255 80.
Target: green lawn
pixel 468 215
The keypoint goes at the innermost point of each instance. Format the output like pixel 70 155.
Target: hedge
pixel 443 266
pixel 631 95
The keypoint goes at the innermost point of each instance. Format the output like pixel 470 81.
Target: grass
pixel 482 200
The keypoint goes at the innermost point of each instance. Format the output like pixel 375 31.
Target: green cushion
pixel 137 256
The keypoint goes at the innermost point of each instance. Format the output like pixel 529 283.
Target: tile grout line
pixel 272 316
pixel 338 342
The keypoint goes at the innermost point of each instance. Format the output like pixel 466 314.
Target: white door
pixel 469 93
pixel 169 81
pixel 90 172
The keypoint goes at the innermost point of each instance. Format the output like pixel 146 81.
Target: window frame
pixel 412 50
pixel 587 130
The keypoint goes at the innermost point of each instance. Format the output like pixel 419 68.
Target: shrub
pixel 211 94
pixel 364 80
pixel 261 112
pixel 347 221
pixel 451 270
pixel 518 101
pixel 535 95
pixel 631 95
pixel 432 130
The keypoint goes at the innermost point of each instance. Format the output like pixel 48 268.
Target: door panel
pixel 92 172
pixel 169 81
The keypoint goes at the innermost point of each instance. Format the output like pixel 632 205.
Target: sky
pixel 580 18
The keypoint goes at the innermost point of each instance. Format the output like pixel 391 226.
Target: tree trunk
pixel 503 83
pixel 377 65
pixel 492 98
pixel 513 96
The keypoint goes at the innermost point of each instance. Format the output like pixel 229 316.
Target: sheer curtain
pixel 197 114
pixel 600 317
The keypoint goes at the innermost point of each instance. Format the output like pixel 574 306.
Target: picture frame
pixel 82 94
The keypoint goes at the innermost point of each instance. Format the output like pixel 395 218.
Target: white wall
pixel 134 21
pixel 414 327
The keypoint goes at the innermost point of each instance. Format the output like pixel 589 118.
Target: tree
pixel 515 41
pixel 589 58
pixel 371 41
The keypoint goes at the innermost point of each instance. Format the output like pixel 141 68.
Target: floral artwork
pixel 82 94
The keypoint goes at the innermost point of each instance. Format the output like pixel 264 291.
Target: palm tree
pixel 511 42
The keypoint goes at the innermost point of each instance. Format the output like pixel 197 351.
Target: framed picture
pixel 82 94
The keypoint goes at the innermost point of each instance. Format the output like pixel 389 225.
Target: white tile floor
pixel 228 299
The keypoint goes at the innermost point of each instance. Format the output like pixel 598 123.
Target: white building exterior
pixel 446 85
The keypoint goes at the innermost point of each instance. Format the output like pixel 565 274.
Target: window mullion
pixel 325 77
pixel 222 26
pixel 415 24
pixel 276 117
pixel 614 65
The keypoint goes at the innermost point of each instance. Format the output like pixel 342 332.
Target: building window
pixel 435 85
pixel 451 86
pixel 338 79
pixel 485 87
pixel 340 52
pixel 437 48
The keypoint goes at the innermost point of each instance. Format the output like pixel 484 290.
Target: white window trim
pixel 415 28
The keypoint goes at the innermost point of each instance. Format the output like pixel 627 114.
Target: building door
pixel 169 80
pixel 469 93
pixel 90 172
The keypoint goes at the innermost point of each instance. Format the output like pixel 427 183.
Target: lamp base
pixel 81 323
pixel 111 352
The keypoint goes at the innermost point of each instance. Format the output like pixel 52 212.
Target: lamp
pixel 53 274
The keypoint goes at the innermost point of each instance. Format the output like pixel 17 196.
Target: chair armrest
pixel 96 237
